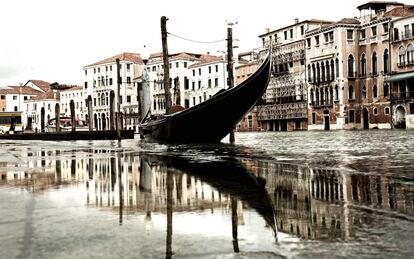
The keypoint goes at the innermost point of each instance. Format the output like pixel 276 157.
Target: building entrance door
pixel 365 118
pixel 326 120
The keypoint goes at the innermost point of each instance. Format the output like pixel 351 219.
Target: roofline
pixel 305 21
pixel 377 3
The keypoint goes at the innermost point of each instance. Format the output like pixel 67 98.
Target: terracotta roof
pixel 73 88
pixel 399 12
pixel 132 57
pixel 19 90
pixel 377 5
pixel 348 21
pixel 295 24
pixel 49 95
pixel 39 83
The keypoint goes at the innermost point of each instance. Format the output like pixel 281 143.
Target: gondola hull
pixel 213 119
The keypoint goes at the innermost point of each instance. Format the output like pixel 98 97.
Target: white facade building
pixel 77 95
pixel 100 80
pixel 34 106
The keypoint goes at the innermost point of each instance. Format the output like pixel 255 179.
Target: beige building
pixel 401 80
pixel 347 65
pixel 285 106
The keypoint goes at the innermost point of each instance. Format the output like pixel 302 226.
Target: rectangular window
pixel 185 64
pixel 351 116
pixel 216 82
pixel 209 69
pixel 199 71
pixel 316 41
pixel 285 34
pixel 291 33
pixel 177 64
pixel 14 97
pixel 199 84
pixel 326 36
pixel 106 68
pixel 86 72
pixel 374 31
pixel 25 98
pixel 209 83
pixel 385 27
pixel 349 34
pixel 194 101
pixel 302 30
pixel 99 70
pixel 128 79
pixel 86 85
pixel 308 43
pixel 110 81
pixel 128 99
pixel 216 68
pixel 193 86
pixel 3 97
pixel 362 35
pixel 193 72
pixel 154 68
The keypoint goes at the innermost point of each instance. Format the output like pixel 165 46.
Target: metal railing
pixel 402 96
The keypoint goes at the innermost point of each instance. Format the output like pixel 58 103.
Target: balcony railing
pixel 404 35
pixel 402 96
pixel 352 75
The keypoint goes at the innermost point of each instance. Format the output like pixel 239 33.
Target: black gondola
pixel 212 120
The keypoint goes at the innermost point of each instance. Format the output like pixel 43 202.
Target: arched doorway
pixel 365 118
pixel 400 117
pixel 95 121
pixel 103 120
pixel 326 118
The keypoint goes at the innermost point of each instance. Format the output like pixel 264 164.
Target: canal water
pixel 272 195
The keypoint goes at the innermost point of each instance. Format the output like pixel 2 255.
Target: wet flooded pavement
pixel 272 195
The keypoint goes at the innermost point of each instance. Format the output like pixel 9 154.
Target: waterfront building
pixel 193 79
pixel 285 106
pixel 248 64
pixel 43 101
pixel 100 80
pixel 348 63
pixel 401 79
pixel 75 93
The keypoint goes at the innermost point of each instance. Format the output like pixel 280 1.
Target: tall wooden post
pixel 42 119
pixel 118 98
pixel 230 78
pixel 166 62
pixel 72 115
pixel 112 110
pixel 57 117
pixel 90 112
pixel 170 187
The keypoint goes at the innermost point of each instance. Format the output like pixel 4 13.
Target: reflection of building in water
pixel 327 204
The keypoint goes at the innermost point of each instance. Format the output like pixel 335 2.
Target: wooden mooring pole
pixel 230 78
pixel 90 112
pixel 166 63
pixel 118 99
pixel 72 115
pixel 57 117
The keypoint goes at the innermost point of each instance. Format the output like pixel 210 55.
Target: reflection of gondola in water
pixel 227 177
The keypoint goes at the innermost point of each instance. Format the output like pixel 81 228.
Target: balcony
pixel 322 104
pixel 352 75
pixel 405 35
pixel 402 96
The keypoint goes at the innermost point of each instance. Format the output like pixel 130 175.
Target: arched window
pixel 309 73
pixel 331 94
pixel 322 96
pixel 386 61
pixel 336 93
pixel 317 96
pixel 386 89
pixel 103 99
pixel 337 67
pixel 328 71
pixel 318 73
pixel 332 70
pixel 374 91
pixel 351 93
pixel 410 54
pixel 351 66
pixel 363 66
pixel 323 71
pixel 364 92
pixel 374 64
pixel 312 97
pixel 313 73
pixel 401 56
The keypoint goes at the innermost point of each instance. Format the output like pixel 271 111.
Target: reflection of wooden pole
pixel 72 115
pixel 170 185
pixel 230 79
pixel 57 117
pixel 121 199
pixel 166 62
pixel 118 98
pixel 90 112
pixel 234 226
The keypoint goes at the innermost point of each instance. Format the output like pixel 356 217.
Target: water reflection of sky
pixel 343 193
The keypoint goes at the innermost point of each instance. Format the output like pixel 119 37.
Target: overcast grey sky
pixel 52 40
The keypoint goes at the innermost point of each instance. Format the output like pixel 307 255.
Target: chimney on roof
pixel 296 20
pixel 267 30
